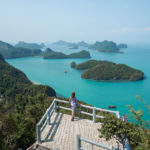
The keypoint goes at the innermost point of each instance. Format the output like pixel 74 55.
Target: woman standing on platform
pixel 73 102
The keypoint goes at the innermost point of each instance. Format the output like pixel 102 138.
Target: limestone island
pixel 105 46
pixel 50 54
pixel 84 44
pixel 74 46
pixel 62 43
pixel 122 45
pixel 10 51
pixel 108 71
pixel 29 45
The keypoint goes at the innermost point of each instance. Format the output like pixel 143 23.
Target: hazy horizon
pixel 49 21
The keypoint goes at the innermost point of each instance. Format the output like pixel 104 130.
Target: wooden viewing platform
pixel 56 131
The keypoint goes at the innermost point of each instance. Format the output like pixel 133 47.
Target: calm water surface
pixel 99 94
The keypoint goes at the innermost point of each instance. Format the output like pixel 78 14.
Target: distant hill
pixel 62 43
pixel 29 45
pixel 105 46
pixel 70 44
pixel 122 45
pixel 108 71
pixel 9 51
pixel 22 106
pixel 13 82
pixel 74 46
pixel 59 55
pixel 84 44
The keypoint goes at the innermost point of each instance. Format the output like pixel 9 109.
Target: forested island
pixel 70 44
pixel 29 45
pixel 62 43
pixel 10 51
pixel 50 54
pixel 107 46
pixel 103 46
pixel 108 71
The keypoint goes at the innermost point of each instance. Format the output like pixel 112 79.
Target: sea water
pixel 100 94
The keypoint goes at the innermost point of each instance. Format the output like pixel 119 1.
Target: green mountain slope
pixel 105 46
pixel 29 45
pixel 49 54
pixel 9 51
pixel 13 82
pixel 21 106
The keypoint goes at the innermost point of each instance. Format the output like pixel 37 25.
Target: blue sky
pixel 75 20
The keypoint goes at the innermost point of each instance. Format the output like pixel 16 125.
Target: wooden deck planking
pixel 62 133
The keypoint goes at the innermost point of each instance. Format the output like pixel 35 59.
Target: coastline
pixel 115 81
pixel 57 94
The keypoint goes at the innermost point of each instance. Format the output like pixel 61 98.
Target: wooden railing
pixel 46 119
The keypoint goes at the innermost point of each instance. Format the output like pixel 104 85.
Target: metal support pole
pixel 38 132
pixel 48 118
pixel 94 115
pixel 78 142
pixel 55 106
pixel 118 115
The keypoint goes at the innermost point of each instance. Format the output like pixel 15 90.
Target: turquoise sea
pixel 99 94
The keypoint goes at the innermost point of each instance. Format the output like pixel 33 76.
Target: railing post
pixel 127 146
pixel 48 117
pixel 78 142
pixel 94 114
pixel 55 106
pixel 118 115
pixel 38 132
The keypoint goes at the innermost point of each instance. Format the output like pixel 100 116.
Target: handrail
pixel 89 107
pixel 53 108
pixel 80 139
pixel 45 119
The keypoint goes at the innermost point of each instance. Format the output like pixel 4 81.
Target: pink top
pixel 73 101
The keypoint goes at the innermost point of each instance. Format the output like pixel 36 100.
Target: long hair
pixel 73 94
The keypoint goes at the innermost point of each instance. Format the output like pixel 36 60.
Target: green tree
pixel 113 127
pixel 144 125
pixel 137 133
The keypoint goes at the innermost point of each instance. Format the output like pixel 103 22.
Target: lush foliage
pixel 137 133
pixel 81 54
pixel 21 106
pixel 9 51
pixel 13 82
pixel 18 123
pixel 105 70
pixel 137 116
pixel 116 128
pixel 59 55
pixel 105 46
pixel 89 64
pixel 29 45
